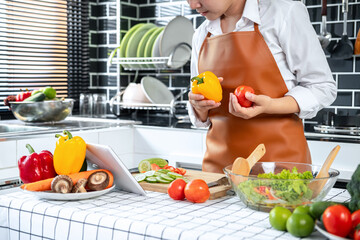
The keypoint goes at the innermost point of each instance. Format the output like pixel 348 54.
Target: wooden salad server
pixel 243 166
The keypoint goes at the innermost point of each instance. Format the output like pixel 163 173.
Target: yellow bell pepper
pixel 208 85
pixel 69 154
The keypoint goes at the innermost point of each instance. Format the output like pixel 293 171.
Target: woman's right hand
pixel 201 105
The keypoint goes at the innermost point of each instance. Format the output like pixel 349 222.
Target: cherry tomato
pixel 197 191
pixel 337 220
pixel 176 189
pixel 240 95
pixel 355 218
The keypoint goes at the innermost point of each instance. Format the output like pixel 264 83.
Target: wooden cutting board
pixel 215 192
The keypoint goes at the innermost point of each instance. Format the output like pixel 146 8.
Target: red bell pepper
pixel 22 96
pixel 36 167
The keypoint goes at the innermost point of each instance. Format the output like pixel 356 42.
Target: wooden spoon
pixel 243 166
pixel 317 185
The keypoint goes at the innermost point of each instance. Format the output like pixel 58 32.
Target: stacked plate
pixel 149 40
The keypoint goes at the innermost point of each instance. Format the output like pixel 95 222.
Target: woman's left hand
pixel 261 104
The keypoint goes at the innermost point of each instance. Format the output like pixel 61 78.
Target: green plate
pixel 124 42
pixel 132 46
pixel 141 48
pixel 148 52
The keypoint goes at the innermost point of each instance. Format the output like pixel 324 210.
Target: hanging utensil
pixel 357 44
pixel 324 36
pixel 344 48
pixel 317 185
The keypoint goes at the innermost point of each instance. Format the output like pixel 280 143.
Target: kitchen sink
pixel 9 128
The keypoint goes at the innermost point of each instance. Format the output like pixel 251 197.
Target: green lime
pixel 174 175
pixel 158 161
pixel 140 177
pixel 144 166
pixel 150 173
pixel 49 92
pixel 302 209
pixel 300 225
pixel 161 180
pixel 151 179
pixel 278 217
pixel 166 177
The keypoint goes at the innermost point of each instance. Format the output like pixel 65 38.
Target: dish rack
pixel 116 101
pixel 158 63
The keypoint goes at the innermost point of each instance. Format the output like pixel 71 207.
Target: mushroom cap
pixel 98 180
pixel 79 187
pixel 62 184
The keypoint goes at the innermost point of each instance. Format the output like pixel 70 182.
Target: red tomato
pixel 337 220
pixel 176 189
pixel 240 95
pixel 155 167
pixel 197 191
pixel 357 235
pixel 22 96
pixel 355 218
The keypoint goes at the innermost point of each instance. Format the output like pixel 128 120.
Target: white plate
pixel 69 196
pixel 179 30
pixel 156 91
pixel 320 227
pixel 156 50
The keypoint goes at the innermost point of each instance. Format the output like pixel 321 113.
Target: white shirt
pixel 287 30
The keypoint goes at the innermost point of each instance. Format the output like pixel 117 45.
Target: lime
pixel 300 225
pixel 302 209
pixel 150 173
pixel 140 177
pixel 278 217
pixel 158 161
pixel 144 166
pixel 166 177
pixel 174 175
pixel 49 92
pixel 161 180
pixel 151 179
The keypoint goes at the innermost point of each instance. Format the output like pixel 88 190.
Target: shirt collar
pixel 251 12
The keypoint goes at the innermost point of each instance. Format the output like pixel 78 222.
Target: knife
pixel 219 182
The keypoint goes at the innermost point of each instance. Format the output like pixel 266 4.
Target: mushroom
pixel 98 180
pixel 79 187
pixel 62 184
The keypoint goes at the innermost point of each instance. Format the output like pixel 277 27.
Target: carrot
pixel 45 185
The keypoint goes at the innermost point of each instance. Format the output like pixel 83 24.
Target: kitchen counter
pixel 123 215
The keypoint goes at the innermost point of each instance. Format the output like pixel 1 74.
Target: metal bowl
pixel 45 111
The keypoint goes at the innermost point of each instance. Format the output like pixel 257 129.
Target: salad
pixel 292 190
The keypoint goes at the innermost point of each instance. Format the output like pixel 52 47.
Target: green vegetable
pixel 37 97
pixel 353 188
pixel 49 92
pixel 293 189
pixel 317 208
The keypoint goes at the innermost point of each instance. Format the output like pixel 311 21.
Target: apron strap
pixel 256 27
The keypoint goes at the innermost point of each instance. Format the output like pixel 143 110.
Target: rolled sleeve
pixel 194 120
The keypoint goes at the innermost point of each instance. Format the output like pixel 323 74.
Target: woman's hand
pixel 261 104
pixel 201 105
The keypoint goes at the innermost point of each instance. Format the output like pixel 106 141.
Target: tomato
pixel 180 171
pixel 197 191
pixel 22 96
pixel 302 209
pixel 337 220
pixel 278 217
pixel 356 234
pixel 355 218
pixel 300 225
pixel 240 95
pixel 176 189
pixel 155 167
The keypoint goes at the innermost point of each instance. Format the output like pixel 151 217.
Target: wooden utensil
pixel 243 166
pixel 357 44
pixel 317 185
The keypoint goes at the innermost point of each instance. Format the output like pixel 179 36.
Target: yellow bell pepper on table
pixel 69 154
pixel 208 85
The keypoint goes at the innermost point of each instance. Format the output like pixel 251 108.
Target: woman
pixel 271 46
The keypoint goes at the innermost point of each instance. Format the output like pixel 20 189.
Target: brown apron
pixel 243 58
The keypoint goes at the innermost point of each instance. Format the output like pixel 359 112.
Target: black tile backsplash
pixel 103 39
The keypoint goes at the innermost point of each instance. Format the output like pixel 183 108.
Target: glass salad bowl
pixel 285 184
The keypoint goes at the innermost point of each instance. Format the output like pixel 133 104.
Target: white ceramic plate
pixel 150 43
pixel 156 49
pixel 156 91
pixel 320 227
pixel 179 30
pixel 69 196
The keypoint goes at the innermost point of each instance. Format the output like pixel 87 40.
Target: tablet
pixel 104 157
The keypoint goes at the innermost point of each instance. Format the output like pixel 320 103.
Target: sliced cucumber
pixel 166 177
pixel 174 175
pixel 151 180
pixel 149 173
pixel 140 177
pixel 163 170
pixel 161 180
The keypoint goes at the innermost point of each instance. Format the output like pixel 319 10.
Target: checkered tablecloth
pixel 122 215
